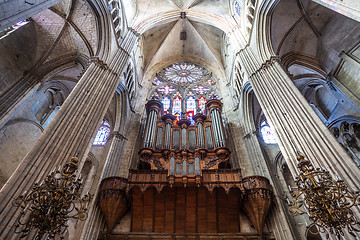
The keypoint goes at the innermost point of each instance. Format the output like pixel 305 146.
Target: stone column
pixel 297 127
pixel 153 109
pixel 214 107
pixel 113 160
pixel 70 133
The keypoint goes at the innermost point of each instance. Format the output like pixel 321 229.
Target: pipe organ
pixel 185 183
pixel 184 149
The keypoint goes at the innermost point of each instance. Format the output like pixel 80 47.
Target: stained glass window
pixel 155 95
pixel 201 104
pixel 191 108
pixel 5 32
pixel 213 95
pixel 237 7
pixel 166 90
pixel 210 81
pixel 19 24
pixel 176 111
pixel 183 85
pixel 267 133
pixel 183 73
pixel 156 82
pixel 102 134
pixel 201 90
pixel 166 104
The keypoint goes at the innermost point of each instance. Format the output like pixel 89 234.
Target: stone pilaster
pixel 257 161
pixel 113 160
pixel 70 132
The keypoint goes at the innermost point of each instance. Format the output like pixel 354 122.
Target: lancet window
pixel 237 7
pixel 183 88
pixel 116 15
pixel 102 134
pixel 267 133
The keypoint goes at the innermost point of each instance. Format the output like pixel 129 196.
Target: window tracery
pixel 183 88
pixel 129 81
pixel 116 15
pixel 102 134
pixel 184 73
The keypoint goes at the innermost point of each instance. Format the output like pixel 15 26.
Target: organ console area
pixel 184 184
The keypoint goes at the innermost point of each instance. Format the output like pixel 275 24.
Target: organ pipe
pixel 215 128
pixel 183 138
pixel 153 128
pixel 168 119
pixel 201 135
pixel 221 129
pixel 167 135
pixel 153 108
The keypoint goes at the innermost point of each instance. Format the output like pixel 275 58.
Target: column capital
pixel 99 62
pixel 118 135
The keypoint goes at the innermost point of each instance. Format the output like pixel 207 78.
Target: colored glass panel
pixel 191 108
pixel 155 95
pixel 102 134
pixel 166 104
pixel 210 81
pixel 237 7
pixel 201 90
pixel 267 133
pixel 183 73
pixel 213 95
pixel 176 111
pixel 156 82
pixel 166 90
pixel 201 104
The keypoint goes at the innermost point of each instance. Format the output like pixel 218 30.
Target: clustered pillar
pixel 299 130
pixel 71 131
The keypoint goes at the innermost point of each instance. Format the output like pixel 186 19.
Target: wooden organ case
pixel 185 186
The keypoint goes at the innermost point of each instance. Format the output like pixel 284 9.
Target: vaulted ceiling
pixel 205 24
pixel 306 36
pixel 200 40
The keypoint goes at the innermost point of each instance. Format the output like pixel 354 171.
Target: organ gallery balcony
pixel 184 183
